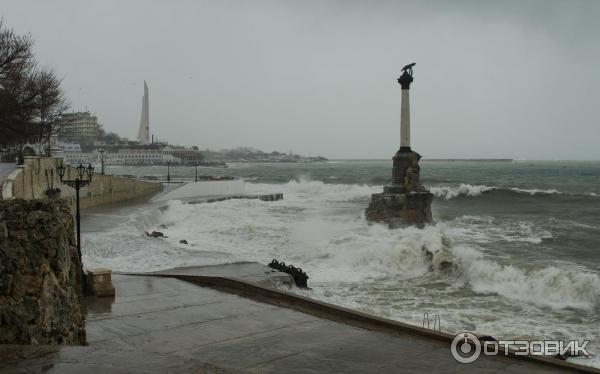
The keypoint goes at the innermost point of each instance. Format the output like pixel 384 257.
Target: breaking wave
pixel 469 190
pixel 549 287
pixel 462 190
pixel 350 250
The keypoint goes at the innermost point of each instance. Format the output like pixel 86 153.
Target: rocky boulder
pixel 41 300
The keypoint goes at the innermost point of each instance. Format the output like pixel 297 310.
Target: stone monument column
pixel 405 80
pixel 405 200
pixel 405 157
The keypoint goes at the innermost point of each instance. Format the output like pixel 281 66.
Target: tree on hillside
pixel 111 138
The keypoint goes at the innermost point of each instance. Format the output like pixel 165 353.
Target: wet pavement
pixel 161 324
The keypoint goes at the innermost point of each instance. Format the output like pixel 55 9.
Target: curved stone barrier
pixel 38 174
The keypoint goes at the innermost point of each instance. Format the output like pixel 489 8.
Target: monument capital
pixel 405 80
pixel 407 76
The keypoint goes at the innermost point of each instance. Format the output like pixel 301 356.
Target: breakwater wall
pixel 40 274
pixel 38 174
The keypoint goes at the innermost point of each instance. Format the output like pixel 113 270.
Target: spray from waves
pixel 353 251
pixel 553 287
pixel 349 250
pixel 469 190
pixel 462 190
pixel 333 248
pixel 486 229
pixel 306 189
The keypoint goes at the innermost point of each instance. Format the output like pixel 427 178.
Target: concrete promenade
pixel 163 324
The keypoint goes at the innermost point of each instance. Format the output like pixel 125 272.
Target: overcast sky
pixel 493 79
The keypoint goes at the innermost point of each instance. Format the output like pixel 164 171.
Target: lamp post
pixel 82 179
pixel 169 171
pixel 196 165
pixel 101 150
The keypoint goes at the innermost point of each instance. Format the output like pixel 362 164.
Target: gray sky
pixel 493 79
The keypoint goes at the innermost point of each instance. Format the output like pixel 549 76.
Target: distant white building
pixel 80 127
pixel 69 147
pixel 143 156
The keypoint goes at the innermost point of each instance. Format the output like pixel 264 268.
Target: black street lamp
pixel 101 150
pixel 82 179
pixel 196 165
pixel 169 171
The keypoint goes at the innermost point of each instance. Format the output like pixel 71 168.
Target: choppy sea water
pixel 523 238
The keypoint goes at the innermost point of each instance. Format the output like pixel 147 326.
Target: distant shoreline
pixel 469 159
pixel 433 159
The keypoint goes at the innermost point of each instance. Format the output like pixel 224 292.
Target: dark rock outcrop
pixel 41 299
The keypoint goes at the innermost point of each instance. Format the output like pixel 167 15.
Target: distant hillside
pixel 247 154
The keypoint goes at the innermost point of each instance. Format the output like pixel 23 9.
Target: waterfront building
pixel 79 127
pixel 187 156
pixel 140 156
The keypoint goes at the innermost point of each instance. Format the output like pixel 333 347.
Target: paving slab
pixel 161 324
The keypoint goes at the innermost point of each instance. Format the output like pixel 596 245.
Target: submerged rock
pixel 156 234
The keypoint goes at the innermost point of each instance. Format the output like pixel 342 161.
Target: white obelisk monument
pixel 144 131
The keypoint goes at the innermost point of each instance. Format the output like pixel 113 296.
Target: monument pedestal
pixel 404 202
pixel 398 210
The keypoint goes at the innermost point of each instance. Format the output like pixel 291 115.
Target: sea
pixel 516 245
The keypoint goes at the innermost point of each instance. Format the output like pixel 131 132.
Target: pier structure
pixel 405 201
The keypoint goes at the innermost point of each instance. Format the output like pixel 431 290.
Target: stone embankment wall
pixel 40 274
pixel 38 174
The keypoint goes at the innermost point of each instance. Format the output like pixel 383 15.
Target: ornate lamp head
pixel 90 172
pixel 80 171
pixel 61 171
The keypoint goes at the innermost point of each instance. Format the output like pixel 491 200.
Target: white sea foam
pixel 487 229
pixel 342 250
pixel 549 287
pixel 535 191
pixel 469 190
pixel 462 190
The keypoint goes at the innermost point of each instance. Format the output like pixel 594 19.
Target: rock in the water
pixel 183 241
pixel 156 234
